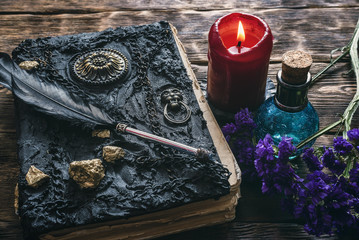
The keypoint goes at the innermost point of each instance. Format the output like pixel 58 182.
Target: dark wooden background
pixel 317 27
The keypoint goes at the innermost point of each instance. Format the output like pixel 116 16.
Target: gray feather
pixel 49 98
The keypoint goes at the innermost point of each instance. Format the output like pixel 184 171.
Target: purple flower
pixel 326 202
pixel 354 174
pixel 318 220
pixel 356 206
pixel 353 136
pixel 317 187
pixel 337 197
pixel 244 153
pixel 285 149
pixel 331 162
pixel 245 150
pixel 277 176
pixel 229 129
pixel 299 206
pixel 354 179
pixel 338 203
pixel 342 146
pixel 311 160
pixel 264 162
pixel 244 121
pixel 239 137
pixel 309 205
pixel 264 148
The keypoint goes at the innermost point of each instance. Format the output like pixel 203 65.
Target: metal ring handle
pixel 179 121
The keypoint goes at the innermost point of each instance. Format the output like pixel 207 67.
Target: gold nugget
pixel 112 153
pixel 35 177
pixel 101 133
pixel 87 173
pixel 29 65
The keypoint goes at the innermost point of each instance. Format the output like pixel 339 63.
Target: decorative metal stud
pixel 99 66
pixel 174 106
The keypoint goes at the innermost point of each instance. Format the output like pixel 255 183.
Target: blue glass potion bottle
pixel 289 113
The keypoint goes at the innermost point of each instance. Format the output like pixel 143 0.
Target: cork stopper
pixel 295 67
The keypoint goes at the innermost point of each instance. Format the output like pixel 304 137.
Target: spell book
pixel 106 122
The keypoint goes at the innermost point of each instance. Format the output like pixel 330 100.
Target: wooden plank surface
pixel 328 28
pixel 76 7
pixel 315 26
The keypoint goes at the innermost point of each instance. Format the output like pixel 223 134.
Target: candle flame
pixel 240 34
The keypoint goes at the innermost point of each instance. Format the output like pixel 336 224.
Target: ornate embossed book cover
pixel 140 76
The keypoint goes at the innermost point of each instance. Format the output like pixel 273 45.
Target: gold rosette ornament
pixel 99 66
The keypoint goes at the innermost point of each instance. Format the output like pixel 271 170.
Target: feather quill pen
pixel 49 98
pixel 53 99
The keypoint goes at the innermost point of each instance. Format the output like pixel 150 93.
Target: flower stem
pixel 350 164
pixel 319 133
pixel 314 79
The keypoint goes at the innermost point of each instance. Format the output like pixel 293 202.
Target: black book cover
pixel 150 177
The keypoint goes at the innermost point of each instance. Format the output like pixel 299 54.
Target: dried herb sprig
pixel 347 117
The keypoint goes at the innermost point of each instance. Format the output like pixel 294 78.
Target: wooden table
pixel 316 26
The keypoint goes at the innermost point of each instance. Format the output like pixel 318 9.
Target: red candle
pixel 238 61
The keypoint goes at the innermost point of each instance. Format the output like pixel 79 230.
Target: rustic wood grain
pixel 315 26
pixel 292 29
pixel 77 7
pixel 244 230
